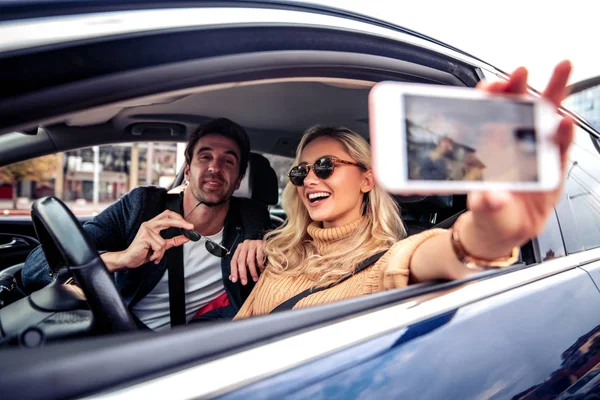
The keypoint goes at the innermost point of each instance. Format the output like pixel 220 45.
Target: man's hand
pixel 148 245
pixel 248 256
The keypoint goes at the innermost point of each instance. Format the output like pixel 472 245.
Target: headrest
pixel 260 181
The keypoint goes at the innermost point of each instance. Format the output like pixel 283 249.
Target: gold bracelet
pixel 477 263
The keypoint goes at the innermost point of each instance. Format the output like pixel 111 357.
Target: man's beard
pixel 202 198
pixel 224 200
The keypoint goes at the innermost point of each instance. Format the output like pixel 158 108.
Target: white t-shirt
pixel 203 284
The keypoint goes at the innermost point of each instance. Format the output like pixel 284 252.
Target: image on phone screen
pixel 452 139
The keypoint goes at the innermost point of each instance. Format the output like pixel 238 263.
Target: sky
pixel 532 33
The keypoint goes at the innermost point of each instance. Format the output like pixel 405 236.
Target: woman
pixel 337 218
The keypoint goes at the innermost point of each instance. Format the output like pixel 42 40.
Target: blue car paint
pixel 593 270
pixel 331 365
pixel 507 345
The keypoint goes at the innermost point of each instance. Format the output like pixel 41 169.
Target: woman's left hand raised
pixel 500 221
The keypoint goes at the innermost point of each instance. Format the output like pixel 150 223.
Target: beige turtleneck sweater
pixel 390 272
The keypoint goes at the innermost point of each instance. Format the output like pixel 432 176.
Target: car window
pixel 71 176
pixel 583 187
pixel 549 243
pixel 587 104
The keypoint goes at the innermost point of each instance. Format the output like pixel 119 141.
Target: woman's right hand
pixel 249 256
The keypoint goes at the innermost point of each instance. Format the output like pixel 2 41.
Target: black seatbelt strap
pixel 291 302
pixel 175 267
pixel 448 222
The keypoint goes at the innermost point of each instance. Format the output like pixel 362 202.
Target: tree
pixel 40 169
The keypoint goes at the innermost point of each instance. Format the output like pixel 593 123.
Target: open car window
pixel 88 179
pixel 583 187
pixel 586 103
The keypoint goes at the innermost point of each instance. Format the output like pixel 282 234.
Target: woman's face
pixel 340 199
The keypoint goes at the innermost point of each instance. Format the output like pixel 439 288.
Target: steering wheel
pixel 65 243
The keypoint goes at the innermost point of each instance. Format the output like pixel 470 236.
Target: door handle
pixel 14 243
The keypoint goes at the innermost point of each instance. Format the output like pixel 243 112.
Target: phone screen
pixel 453 139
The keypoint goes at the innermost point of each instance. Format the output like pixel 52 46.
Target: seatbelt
pixel 175 267
pixel 448 222
pixel 291 302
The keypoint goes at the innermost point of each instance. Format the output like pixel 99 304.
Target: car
pixel 79 74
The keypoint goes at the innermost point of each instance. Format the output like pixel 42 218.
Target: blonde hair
pixel 291 251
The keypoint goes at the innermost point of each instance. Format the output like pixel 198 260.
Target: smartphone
pixel 439 139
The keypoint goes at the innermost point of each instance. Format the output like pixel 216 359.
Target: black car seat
pixel 260 181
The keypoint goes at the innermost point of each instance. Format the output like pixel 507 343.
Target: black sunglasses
pixel 212 247
pixel 323 168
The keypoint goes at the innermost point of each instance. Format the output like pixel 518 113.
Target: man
pixel 146 236
pixel 435 167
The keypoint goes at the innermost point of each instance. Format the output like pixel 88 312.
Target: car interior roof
pixel 275 112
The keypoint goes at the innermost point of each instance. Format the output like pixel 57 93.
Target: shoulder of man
pixel 146 193
pixel 148 199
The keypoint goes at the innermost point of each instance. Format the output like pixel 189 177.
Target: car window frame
pixel 568 220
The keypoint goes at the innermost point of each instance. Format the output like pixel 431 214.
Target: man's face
pixel 214 170
pixel 446 145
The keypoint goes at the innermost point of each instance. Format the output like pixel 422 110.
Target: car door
pixel 525 332
pixel 14 248
pixel 536 341
pixel 528 333
pixel 18 237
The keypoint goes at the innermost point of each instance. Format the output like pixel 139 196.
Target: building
pixel 156 165
pixel 121 167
